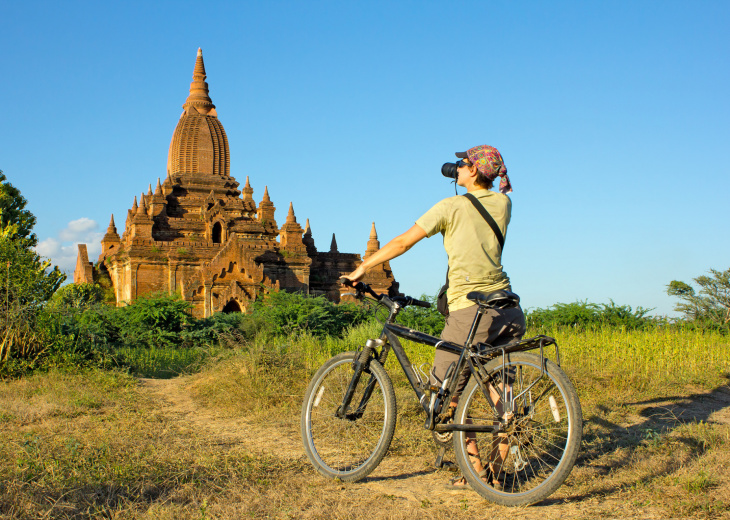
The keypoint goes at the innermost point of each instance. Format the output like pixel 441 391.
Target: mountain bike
pixel 519 413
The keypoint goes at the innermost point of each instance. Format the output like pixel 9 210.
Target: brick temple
pixel 200 235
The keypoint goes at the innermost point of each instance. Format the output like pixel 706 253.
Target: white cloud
pixel 63 250
pixel 78 230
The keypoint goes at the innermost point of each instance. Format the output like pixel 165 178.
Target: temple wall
pixel 151 278
pixel 84 271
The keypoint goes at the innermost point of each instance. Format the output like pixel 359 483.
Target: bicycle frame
pixel 389 341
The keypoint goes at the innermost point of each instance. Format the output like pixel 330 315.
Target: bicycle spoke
pixel 347 446
pixel 537 436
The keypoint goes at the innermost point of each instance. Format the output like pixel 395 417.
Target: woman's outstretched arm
pixel 392 249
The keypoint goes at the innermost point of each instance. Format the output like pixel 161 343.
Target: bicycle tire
pixel 538 449
pixel 347 449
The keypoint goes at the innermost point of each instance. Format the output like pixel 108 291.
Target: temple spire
pixel 158 188
pixel 199 70
pixel 247 190
pixel 134 204
pixel 199 100
pixel 110 239
pixel 373 243
pixel 266 210
pixel 112 228
pixel 333 245
pixel 308 241
pixel 290 216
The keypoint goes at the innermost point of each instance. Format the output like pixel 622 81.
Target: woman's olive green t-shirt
pixel 475 258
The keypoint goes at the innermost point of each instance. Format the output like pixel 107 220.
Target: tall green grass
pixel 162 362
pixel 273 371
pixel 649 357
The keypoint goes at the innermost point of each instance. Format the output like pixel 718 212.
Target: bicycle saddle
pixel 495 300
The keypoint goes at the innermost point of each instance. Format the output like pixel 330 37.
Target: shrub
pixel 78 295
pixel 79 337
pixel 154 320
pixel 429 320
pixel 710 307
pixel 287 313
pixel 26 283
pixel 223 329
pixel 584 315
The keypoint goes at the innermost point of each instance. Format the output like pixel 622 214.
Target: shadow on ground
pixel 608 446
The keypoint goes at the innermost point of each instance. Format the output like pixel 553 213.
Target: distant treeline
pixel 76 327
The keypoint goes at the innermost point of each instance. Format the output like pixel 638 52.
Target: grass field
pixel 94 443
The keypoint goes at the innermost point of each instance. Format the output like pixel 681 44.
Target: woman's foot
pixel 457 483
pixel 486 475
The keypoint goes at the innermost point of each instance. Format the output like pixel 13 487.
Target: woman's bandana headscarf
pixel 489 162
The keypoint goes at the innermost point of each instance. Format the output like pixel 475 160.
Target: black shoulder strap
pixel 484 213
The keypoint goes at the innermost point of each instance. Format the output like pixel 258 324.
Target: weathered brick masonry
pixel 198 234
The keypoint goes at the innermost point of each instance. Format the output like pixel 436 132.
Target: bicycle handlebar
pixel 419 303
pixel 403 301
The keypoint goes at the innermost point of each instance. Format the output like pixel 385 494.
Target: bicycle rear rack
pixel 488 352
pixel 484 350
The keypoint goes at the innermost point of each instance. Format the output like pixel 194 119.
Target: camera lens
pixel 449 170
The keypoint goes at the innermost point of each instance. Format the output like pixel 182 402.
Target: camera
pixel 450 170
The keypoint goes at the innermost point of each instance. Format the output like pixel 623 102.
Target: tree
pixel 27 281
pixel 12 211
pixel 711 304
pixel 78 295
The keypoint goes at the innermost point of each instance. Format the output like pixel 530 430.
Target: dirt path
pixel 412 484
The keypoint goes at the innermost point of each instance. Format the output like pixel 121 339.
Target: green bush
pixel 155 320
pixel 708 308
pixel 78 296
pixel 26 283
pixel 585 315
pixel 223 329
pixel 287 313
pixel 429 320
pixel 79 337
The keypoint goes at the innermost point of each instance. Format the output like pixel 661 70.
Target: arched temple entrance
pixel 217 233
pixel 231 306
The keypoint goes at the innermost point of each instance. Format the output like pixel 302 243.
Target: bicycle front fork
pixel 359 365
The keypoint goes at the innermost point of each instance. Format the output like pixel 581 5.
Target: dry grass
pixel 224 443
pixel 99 446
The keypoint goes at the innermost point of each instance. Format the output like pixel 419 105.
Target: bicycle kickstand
pixel 440 457
pixel 444 464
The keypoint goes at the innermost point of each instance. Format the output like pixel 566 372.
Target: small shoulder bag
pixel 442 302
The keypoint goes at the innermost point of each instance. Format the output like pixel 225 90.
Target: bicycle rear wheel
pixel 536 451
pixel 348 448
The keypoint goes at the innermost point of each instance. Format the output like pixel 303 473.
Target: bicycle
pixel 519 407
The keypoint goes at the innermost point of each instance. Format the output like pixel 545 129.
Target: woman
pixel 475 264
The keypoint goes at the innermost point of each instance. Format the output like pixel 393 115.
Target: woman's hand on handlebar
pixel 356 275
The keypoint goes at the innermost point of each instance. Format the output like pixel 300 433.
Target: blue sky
pixel 612 118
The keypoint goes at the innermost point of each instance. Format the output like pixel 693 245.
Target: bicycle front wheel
pixel 536 449
pixel 351 447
